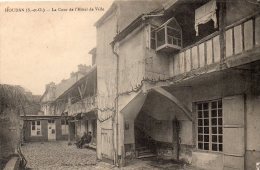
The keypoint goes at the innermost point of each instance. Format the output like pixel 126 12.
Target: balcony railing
pixel 239 38
pixel 243 35
pixel 83 106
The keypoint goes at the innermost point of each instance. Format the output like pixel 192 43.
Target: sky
pixel 40 47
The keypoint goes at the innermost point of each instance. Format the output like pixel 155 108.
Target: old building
pixel 49 122
pixel 79 102
pixel 180 79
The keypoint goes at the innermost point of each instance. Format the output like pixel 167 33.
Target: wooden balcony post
pixel 221 18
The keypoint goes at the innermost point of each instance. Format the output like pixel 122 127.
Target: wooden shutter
pixel 234 132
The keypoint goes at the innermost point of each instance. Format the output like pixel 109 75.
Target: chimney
pixel 72 74
pixel 50 85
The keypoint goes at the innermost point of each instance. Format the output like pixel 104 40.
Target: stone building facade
pixel 182 80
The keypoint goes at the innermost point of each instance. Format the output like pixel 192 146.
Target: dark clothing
pixel 85 139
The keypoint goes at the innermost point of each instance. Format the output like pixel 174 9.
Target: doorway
pixel 51 130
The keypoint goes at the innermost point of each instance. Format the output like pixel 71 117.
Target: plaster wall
pixel 131 61
pixel 106 76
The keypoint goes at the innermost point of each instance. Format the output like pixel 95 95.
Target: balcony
pixel 169 36
pixel 83 106
pixel 242 41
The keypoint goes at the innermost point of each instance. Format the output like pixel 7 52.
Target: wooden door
pixel 107 143
pixel 234 132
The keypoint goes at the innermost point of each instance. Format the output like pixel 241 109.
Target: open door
pixel 51 130
pixel 234 132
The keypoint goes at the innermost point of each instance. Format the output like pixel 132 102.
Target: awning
pixel 206 13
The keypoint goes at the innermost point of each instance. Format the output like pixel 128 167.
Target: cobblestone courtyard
pixel 60 156
pixel 57 155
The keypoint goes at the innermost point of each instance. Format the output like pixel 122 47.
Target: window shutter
pixel 234 132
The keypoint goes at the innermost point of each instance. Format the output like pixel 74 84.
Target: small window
pixel 210 130
pixel 36 128
pixel 169 36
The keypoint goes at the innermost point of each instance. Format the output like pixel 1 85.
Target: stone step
pixel 144 151
pixel 146 156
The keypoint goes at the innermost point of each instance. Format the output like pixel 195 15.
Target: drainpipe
pixel 115 115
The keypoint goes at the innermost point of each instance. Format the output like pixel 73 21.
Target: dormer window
pixel 169 36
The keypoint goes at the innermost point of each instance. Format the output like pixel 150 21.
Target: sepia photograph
pixel 130 84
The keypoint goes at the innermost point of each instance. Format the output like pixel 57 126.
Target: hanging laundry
pixel 206 13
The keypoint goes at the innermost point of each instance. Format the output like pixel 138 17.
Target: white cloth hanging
pixel 206 13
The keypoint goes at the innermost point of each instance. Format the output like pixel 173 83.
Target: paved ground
pixel 60 156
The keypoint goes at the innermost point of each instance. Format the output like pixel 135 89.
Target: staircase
pixel 144 152
pixel 145 145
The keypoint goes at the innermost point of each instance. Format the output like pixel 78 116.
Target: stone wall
pixel 10 130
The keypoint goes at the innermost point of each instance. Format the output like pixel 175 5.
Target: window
pixel 64 127
pixel 152 35
pixel 36 128
pixel 169 36
pixel 210 129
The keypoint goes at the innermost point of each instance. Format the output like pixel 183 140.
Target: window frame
pixel 219 111
pixel 37 128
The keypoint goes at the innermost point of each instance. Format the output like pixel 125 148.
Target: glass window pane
pixel 214 138
pixel 199 106
pixel 38 123
pixel 205 106
pixel 199 114
pixel 33 122
pixel 206 122
pixel 153 44
pixel 214 121
pixel 33 127
pixel 38 132
pixel 220 131
pixel 220 121
pixel 160 37
pixel 220 113
pixel 220 146
pixel 206 146
pixel 206 114
pixel 200 137
pixel 215 147
pixel 219 104
pixel 214 105
pixel 220 139
pixel 200 130
pixel 200 122
pixel 214 113
pixel 214 130
pixel 206 138
pixel 206 130
pixel 200 145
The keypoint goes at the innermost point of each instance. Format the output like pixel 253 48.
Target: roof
pixel 136 23
pixel 108 13
pixel 93 51
pixel 77 83
pixel 166 5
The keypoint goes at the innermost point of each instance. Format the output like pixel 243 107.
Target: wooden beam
pixel 172 98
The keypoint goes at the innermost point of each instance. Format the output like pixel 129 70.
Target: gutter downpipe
pixel 115 115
